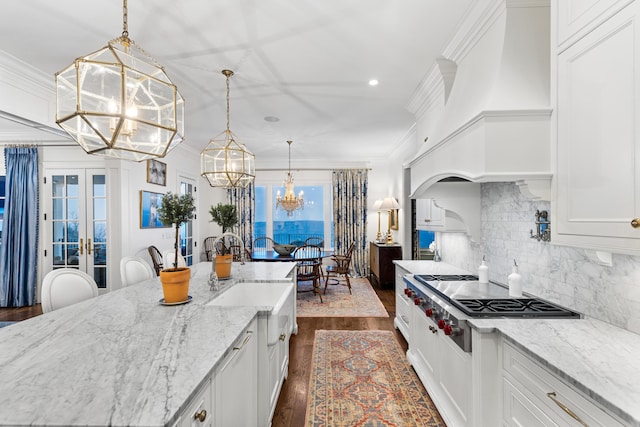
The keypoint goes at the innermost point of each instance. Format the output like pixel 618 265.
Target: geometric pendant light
pixel 118 102
pixel 226 162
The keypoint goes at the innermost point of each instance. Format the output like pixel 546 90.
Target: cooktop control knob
pixel 429 312
pixel 452 331
pixel 441 323
pixel 418 301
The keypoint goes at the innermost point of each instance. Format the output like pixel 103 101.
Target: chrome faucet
pixel 231 235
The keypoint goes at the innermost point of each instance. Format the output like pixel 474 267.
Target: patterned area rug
pixel 361 378
pixel 337 302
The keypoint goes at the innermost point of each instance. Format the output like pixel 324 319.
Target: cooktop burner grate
pixel 511 307
pixel 445 277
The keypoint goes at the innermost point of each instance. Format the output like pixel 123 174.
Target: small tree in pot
pixel 226 216
pixel 176 209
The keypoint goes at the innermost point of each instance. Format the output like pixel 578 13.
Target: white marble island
pixel 121 358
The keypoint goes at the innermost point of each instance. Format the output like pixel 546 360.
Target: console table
pixel 381 268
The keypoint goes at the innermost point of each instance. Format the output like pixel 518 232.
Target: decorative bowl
pixel 284 249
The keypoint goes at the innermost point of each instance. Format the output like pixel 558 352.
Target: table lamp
pixel 376 206
pixel 388 204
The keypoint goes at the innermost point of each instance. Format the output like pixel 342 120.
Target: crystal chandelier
pixel 118 102
pixel 289 202
pixel 226 162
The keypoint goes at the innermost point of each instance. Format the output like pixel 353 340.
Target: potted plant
pixel 176 209
pixel 226 216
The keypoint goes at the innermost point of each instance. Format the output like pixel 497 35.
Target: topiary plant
pixel 176 209
pixel 226 216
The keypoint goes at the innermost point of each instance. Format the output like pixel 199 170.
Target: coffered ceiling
pixel 306 63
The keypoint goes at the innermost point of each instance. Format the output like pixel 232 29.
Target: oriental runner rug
pixel 337 302
pixel 362 378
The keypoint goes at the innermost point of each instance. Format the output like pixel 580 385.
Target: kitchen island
pixel 122 358
pixel 519 368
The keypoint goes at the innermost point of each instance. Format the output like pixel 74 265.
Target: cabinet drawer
pixel 519 410
pixel 538 383
pixel 199 413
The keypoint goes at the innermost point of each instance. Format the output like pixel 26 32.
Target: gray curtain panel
pixel 245 201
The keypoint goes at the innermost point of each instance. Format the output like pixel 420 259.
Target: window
pixel 315 220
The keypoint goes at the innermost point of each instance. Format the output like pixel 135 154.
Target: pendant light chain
pixel 227 102
pixel 125 22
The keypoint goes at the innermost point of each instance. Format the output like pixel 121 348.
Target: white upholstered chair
pixel 66 286
pixel 168 258
pixel 134 270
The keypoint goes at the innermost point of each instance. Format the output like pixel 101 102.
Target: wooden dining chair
pixel 341 266
pixel 263 244
pixel 318 241
pixel 309 263
pixel 156 258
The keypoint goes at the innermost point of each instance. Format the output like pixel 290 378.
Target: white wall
pixel 560 274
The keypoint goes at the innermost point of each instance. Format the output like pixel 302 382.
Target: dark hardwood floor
pixel 16 314
pixel 292 404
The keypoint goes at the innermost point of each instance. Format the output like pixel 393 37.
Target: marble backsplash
pixel 560 274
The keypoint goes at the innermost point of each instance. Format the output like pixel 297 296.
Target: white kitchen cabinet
pixel 444 369
pixel 533 395
pixel 450 206
pixel 576 18
pixel 199 413
pixel 403 305
pixel 235 383
pixel 598 138
pixel 428 214
pixel 274 368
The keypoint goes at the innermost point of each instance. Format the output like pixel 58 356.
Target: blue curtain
pixel 245 201
pixel 350 188
pixel 19 249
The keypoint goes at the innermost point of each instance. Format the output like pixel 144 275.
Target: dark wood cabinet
pixel 381 267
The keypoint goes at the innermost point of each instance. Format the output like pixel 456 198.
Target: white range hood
pixel 494 81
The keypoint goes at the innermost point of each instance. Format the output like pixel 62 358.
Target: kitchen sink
pixel 277 298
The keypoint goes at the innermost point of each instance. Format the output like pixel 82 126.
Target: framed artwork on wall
pixel 149 204
pixel 394 219
pixel 156 172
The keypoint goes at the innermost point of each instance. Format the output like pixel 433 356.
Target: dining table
pixel 273 256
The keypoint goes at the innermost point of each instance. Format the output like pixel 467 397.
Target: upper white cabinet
pixel 598 140
pixel 450 206
pixel 576 18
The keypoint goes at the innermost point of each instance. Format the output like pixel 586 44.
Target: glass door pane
pixel 186 229
pixel 97 227
pixel 66 225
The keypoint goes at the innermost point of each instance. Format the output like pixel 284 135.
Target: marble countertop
pixel 121 358
pixel 597 358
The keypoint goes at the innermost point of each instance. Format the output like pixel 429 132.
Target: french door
pixel 75 234
pixel 187 186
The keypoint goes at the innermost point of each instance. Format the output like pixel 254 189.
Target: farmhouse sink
pixel 278 299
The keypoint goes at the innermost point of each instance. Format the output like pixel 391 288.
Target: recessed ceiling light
pixel 271 119
pixel 373 82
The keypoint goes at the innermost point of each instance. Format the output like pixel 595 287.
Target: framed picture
pixel 149 204
pixel 156 172
pixel 394 219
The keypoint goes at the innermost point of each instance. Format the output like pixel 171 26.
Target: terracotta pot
pixel 223 266
pixel 175 284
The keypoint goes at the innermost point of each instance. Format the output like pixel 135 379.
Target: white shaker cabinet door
pixel 598 141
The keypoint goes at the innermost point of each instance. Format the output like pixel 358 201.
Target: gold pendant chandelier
pixel 225 162
pixel 118 102
pixel 290 202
